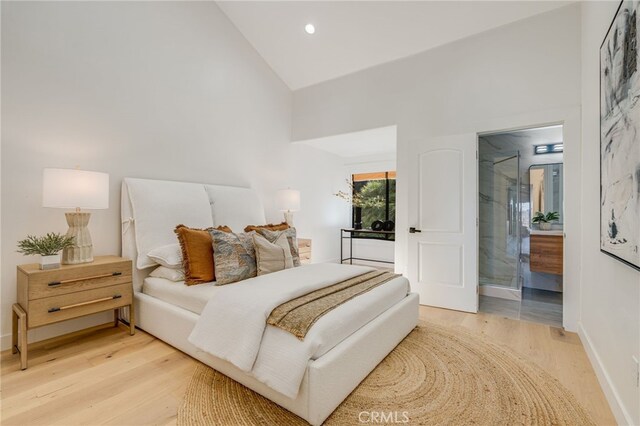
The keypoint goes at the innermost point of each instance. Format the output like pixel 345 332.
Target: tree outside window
pixel 376 194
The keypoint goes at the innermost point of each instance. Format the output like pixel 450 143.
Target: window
pixel 376 194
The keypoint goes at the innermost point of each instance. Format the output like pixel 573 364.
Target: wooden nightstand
pixel 72 291
pixel 304 250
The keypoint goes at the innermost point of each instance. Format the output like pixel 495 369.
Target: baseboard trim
pixel 613 398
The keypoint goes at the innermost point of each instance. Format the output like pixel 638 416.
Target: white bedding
pixel 190 297
pixel 282 359
pixel 233 327
pixel 345 319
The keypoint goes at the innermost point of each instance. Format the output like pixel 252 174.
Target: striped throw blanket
pixel 298 315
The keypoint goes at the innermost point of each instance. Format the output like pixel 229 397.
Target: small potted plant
pixel 544 221
pixel 48 247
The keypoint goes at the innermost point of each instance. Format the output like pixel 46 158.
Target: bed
pixel 353 338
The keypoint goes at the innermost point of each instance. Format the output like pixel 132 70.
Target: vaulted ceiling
pixel 354 35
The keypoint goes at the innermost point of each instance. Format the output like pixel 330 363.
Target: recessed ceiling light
pixel 309 29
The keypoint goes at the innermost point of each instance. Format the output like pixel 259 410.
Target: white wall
pixel 318 175
pixel 164 90
pixel 519 75
pixel 610 308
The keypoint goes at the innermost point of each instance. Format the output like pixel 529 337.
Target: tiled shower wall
pixel 494 241
pixel 498 229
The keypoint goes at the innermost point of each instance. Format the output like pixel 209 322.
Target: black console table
pixel 389 236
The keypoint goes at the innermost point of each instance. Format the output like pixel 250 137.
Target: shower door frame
pixel 496 290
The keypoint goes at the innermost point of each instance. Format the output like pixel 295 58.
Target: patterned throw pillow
pixel 234 256
pixel 272 257
pixel 272 236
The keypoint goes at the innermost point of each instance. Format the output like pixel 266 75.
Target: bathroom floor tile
pixel 536 306
pixel 497 306
pixel 541 295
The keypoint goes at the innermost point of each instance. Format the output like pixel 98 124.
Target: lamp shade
pixel 288 200
pixel 70 189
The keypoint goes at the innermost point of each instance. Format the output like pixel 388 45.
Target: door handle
pixel 413 230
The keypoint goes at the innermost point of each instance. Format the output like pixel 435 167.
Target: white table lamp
pixel 76 189
pixel 288 201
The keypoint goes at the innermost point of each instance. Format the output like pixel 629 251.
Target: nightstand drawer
pixel 64 281
pixel 304 250
pixel 59 308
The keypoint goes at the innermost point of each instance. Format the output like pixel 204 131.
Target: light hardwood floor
pixel 109 377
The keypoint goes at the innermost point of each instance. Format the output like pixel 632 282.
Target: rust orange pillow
pixel 271 227
pixel 197 254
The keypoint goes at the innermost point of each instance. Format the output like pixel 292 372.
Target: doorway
pixel 521 220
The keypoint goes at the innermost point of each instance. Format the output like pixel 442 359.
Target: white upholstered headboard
pixel 151 209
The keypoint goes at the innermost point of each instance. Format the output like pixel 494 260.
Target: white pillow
pixel 169 256
pixel 170 274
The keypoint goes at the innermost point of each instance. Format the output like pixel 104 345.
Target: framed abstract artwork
pixel 620 136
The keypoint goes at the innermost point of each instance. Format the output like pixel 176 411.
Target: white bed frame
pixel 328 380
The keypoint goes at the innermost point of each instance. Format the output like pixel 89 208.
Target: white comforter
pixel 233 323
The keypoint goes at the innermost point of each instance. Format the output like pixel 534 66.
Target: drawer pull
pixel 57 283
pixel 75 305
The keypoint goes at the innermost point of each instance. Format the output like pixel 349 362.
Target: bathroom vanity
pixel 546 251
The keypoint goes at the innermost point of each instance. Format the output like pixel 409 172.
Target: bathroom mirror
pixel 545 181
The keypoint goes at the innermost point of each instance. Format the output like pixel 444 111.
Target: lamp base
pixel 82 249
pixel 288 217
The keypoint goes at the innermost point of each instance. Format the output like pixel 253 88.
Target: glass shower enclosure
pixel 500 219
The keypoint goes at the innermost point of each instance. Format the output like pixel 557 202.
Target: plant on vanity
pixel 48 247
pixel 545 220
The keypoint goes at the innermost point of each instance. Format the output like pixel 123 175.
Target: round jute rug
pixel 435 376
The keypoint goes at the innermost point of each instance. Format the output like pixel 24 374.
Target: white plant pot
pixel 545 226
pixel 50 262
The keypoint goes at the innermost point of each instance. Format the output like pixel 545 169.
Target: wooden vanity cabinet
pixel 547 253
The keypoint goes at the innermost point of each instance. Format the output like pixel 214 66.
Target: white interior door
pixel 442 252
